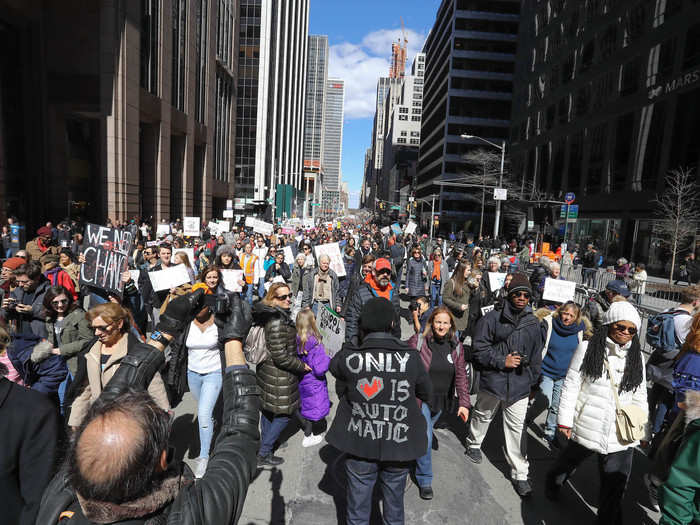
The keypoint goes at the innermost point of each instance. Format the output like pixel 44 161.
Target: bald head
pixel 117 451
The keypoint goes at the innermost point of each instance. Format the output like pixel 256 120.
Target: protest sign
pixel 106 257
pixel 187 251
pixel 496 280
pixel 250 221
pixel 231 278
pixel 308 223
pixel 558 291
pixel 190 227
pixel 224 226
pixel 332 329
pixel 288 231
pixel 169 277
pixel 163 230
pixel 263 227
pixel 288 256
pixel 385 230
pixel 410 228
pixel 396 228
pixel 276 279
pixel 135 277
pixel 333 251
pixel 227 214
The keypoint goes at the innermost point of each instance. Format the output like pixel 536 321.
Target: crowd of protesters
pixel 89 377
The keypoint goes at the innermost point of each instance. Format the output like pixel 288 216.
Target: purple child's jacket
pixel 313 388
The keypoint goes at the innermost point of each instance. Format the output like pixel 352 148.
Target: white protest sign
pixel 496 280
pixel 277 279
pixel 333 251
pixel 263 227
pixel 308 223
pixel 190 226
pixel 135 277
pixel 250 221
pixel 187 251
pixel 163 230
pixel 228 214
pixel 385 230
pixel 410 228
pixel 224 226
pixel 332 329
pixel 168 278
pixel 558 291
pixel 231 278
pixel 288 255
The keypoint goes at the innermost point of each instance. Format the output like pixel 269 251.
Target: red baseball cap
pixel 382 264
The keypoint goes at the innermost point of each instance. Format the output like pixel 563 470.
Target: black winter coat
pixel 29 430
pixel 499 333
pixel 378 384
pixel 355 302
pixel 278 376
pixel 219 496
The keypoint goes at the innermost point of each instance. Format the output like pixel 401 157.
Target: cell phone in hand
pixel 463 417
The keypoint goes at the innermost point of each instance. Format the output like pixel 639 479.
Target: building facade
pixel 333 144
pixel 470 56
pixel 270 115
pixel 114 109
pixel 608 101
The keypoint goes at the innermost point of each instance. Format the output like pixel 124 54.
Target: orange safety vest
pixel 248 267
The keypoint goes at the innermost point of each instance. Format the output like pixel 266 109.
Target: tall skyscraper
pixel 316 82
pixel 272 76
pixel 470 56
pixel 333 142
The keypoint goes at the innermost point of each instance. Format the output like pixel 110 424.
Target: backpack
pixel 255 346
pixel 661 332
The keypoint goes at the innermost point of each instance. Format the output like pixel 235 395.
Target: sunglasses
pixel 631 330
pixel 283 297
pixel 515 295
pixel 102 328
pixel 58 302
pixel 384 271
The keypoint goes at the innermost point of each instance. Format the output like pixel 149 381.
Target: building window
pixel 630 77
pixel 403 117
pixel 415 142
pixel 401 141
pixel 416 111
pixel 623 151
pixel 224 31
pixel 403 110
pixel 179 53
pixel 200 73
pixel 150 29
pixel 691 57
pixel 415 118
pixel 404 133
pixel 415 133
pixel 222 126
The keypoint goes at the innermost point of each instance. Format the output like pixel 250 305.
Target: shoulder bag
pixel 630 420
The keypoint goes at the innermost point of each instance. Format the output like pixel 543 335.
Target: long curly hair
pixel 593 361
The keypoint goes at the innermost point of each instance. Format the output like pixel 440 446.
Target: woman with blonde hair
pixel 443 357
pixel 183 258
pixel 313 389
pixel 278 375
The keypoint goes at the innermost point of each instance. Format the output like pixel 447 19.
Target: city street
pixel 308 489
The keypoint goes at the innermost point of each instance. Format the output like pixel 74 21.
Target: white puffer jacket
pixel 588 407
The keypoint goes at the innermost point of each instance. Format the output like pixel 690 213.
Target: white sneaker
pixel 312 440
pixel 201 467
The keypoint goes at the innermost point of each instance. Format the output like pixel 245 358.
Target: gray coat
pixel 33 321
pixel 414 277
pixel 454 302
pixel 444 273
pixel 308 296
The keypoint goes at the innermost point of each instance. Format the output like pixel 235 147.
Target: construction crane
pixel 398 55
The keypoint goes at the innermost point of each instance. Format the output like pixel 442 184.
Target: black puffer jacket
pixel 499 333
pixel 278 377
pixel 363 294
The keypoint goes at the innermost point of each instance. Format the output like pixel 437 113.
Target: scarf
pixel 322 286
pixel 386 292
pixel 565 331
pixel 436 270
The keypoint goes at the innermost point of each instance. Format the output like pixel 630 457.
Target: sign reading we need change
pixel 106 258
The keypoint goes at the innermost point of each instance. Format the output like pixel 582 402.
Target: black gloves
pixel 236 323
pixel 179 312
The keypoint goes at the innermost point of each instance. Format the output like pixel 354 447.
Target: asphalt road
pixel 308 489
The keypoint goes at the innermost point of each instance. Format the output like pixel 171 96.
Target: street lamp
pixel 502 147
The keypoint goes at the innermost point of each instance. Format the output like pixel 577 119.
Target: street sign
pixel 411 199
pixel 573 211
pixel 229 204
pixel 500 194
pixel 570 197
pixel 396 207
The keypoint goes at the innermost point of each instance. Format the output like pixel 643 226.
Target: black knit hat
pixel 519 283
pixel 377 315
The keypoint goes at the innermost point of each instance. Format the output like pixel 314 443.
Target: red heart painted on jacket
pixel 370 390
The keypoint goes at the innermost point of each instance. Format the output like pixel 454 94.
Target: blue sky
pixel 360 34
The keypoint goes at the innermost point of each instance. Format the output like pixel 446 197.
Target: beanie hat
pixel 13 263
pixel 44 230
pixel 519 283
pixel 622 311
pixel 377 315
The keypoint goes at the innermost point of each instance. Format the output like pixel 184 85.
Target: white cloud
pixel 361 64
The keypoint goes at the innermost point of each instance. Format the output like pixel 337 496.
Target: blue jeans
pixel 362 475
pixel 271 426
pixel 261 288
pixel 62 388
pixel 435 297
pixel 551 388
pixel 249 294
pixel 424 464
pixel 205 389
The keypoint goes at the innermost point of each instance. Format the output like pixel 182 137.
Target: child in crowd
pixel 313 389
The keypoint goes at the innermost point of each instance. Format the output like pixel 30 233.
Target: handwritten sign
pixel 190 226
pixel 396 228
pixel 288 256
pixel 558 291
pixel 106 257
pixel 332 329
pixel 385 230
pixel 263 227
pixel 168 278
pixel 231 279
pixel 333 251
pixel 163 230
pixel 410 228
pixel 496 280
